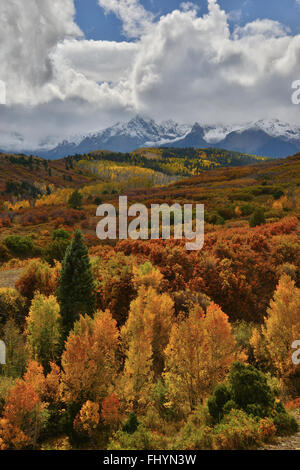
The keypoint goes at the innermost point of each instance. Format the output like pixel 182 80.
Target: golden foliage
pixel 88 418
pixel 199 355
pixel 281 328
pixel 145 335
pixel 90 358
pixel 43 329
pixel 23 414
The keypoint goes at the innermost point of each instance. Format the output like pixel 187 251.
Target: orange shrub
pixel 38 275
pixel 110 410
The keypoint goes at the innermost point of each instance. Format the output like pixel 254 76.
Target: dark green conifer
pixel 75 200
pixel 257 218
pixel 76 286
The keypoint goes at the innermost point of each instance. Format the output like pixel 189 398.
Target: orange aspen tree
pixel 90 358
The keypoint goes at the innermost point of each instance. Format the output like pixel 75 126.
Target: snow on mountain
pixel 264 137
pixel 123 137
pixel 214 134
pixel 274 128
pixel 142 128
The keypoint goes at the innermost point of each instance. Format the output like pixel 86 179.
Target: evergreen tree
pixel 257 218
pixel 75 200
pixel 75 291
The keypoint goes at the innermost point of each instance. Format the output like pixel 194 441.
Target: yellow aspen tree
pixel 43 327
pixel 145 336
pixel 137 378
pixel 220 346
pixel 282 327
pixel 198 356
pixel 147 276
pixel 184 360
pixel 260 350
pixel 161 312
pixel 88 418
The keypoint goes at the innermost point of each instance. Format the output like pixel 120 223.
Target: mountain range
pixel 263 138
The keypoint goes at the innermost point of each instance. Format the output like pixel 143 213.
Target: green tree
pixel 56 250
pixel 257 218
pixel 75 200
pixel 247 390
pixel 19 246
pixel 76 286
pixel 278 194
pixel 61 234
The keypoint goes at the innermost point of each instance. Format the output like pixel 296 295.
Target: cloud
pixel 135 18
pixel 265 28
pixel 28 32
pixel 185 6
pixel 98 60
pixel 181 66
pixel 193 68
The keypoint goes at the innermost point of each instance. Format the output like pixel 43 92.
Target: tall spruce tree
pixel 75 200
pixel 76 286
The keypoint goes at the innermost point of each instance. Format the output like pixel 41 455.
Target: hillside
pixel 24 176
pixel 36 192
pixel 262 183
pixel 190 300
pixel 181 162
pixel 19 168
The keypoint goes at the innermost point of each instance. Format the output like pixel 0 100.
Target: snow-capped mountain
pixel 123 137
pixel 271 138
pixel 276 128
pixel 264 138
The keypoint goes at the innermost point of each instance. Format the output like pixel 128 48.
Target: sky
pixel 97 24
pixel 76 66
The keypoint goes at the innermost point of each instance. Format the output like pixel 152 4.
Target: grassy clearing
pixel 8 278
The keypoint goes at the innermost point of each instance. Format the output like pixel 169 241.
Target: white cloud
pixel 136 20
pixel 193 68
pixel 265 28
pixel 98 60
pixel 185 6
pixel 180 66
pixel 28 32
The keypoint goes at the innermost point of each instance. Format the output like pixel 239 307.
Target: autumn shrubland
pixel 142 344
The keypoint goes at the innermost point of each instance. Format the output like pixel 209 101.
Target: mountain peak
pixel 139 119
pixel 270 138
